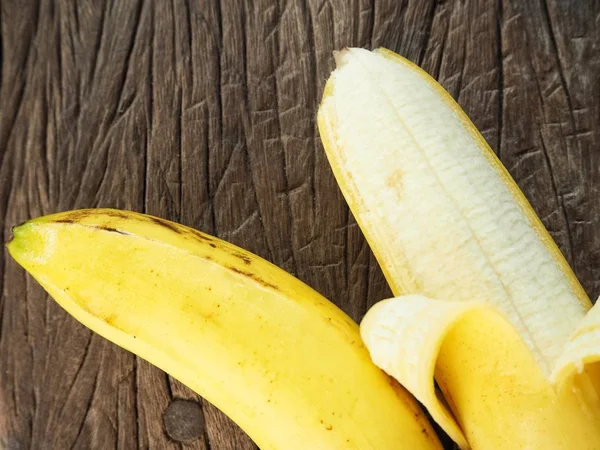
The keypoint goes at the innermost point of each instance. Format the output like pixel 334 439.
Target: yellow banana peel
pixel 279 359
pixel 486 302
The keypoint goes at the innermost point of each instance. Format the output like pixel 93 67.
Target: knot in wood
pixel 184 420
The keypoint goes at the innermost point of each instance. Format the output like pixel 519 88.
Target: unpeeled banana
pixel 279 359
pixel 486 302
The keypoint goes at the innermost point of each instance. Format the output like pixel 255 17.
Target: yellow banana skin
pixel 486 303
pixel 278 358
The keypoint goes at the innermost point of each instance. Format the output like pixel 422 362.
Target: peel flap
pixel 404 336
pixel 485 367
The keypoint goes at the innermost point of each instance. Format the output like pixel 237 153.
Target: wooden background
pixel 203 112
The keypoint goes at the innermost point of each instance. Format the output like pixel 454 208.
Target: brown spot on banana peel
pixel 111 229
pixel 104 228
pixel 166 224
pixel 110 319
pixel 115 213
pixel 253 276
pixel 245 258
pixel 74 216
pixel 79 214
pixel 202 237
pixel 98 227
pixel 201 317
pixel 182 230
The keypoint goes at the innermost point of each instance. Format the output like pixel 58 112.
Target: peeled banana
pixel 279 359
pixel 486 302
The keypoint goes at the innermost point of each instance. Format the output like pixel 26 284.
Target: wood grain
pixel 203 112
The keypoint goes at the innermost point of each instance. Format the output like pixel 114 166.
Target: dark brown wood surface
pixel 203 112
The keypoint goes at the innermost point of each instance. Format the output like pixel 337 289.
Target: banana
pixel 278 358
pixel 485 301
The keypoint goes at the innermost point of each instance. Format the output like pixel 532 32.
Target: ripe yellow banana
pixel 487 304
pixel 283 362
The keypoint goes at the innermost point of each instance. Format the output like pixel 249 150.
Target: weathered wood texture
pixel 203 112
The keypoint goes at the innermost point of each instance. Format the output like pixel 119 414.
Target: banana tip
pixel 12 234
pixel 339 56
